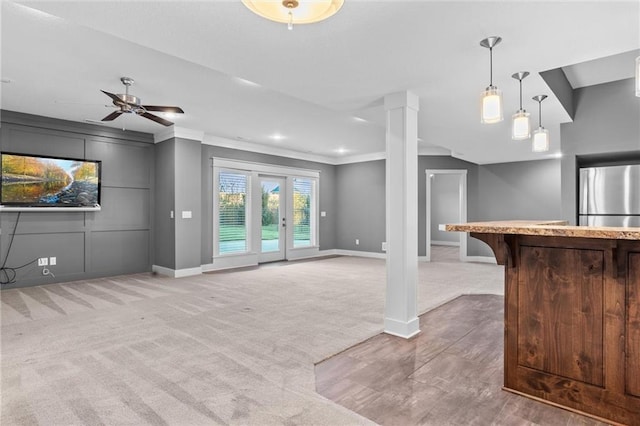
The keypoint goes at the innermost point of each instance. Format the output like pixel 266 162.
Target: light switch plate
pixel 186 214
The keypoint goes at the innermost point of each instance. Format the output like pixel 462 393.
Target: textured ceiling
pixel 316 91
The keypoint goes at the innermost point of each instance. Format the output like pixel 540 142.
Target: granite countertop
pixel 551 228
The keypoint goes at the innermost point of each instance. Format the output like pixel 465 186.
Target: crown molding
pixel 178 132
pixel 263 149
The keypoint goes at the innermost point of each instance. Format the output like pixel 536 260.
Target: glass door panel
pixel 273 221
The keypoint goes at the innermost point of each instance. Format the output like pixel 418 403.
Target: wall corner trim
pixel 176 273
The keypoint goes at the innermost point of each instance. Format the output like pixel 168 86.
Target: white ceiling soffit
pixel 603 70
pixel 317 89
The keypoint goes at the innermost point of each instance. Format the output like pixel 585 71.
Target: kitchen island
pixel 572 314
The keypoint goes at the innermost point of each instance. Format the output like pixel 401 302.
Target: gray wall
pixel 445 199
pixel 525 190
pixel 522 190
pixel 115 240
pixel 327 199
pixel 164 229
pixel 188 180
pixel 360 200
pixel 607 120
pixel 360 196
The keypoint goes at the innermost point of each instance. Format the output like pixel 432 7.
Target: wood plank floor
pixel 450 374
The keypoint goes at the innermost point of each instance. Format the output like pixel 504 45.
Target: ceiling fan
pixel 129 104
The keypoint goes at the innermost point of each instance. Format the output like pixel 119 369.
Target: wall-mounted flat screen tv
pixel 42 181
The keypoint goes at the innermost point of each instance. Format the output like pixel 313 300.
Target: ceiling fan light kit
pixel 129 104
pixel 296 12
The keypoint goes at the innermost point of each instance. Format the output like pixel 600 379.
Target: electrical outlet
pixel 43 261
pixel 53 261
pixel 384 246
pixel 357 242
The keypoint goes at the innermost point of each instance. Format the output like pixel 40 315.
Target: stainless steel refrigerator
pixel 610 196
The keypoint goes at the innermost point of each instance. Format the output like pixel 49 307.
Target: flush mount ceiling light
pixel 294 11
pixel 540 135
pixel 521 120
pixel 491 98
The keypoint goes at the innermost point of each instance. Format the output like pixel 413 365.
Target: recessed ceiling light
pixel 359 119
pixel 277 137
pixel 557 155
pixel 341 150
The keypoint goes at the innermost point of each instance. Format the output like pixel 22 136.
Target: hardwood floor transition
pixel 450 374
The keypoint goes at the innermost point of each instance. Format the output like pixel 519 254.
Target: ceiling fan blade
pixel 112 116
pixel 158 108
pixel 116 99
pixel 157 119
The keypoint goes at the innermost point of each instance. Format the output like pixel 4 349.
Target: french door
pixel 273 220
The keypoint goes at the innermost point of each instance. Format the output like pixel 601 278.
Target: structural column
pixel 402 214
pixel 178 213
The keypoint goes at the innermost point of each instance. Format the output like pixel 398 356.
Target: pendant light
pixel 638 76
pixel 296 12
pixel 521 120
pixel 540 135
pixel 491 97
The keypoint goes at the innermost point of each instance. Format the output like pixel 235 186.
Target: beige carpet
pixel 222 348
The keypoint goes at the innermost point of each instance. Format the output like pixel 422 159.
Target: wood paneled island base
pixel 572 314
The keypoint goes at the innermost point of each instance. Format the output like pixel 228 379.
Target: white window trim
pixel 252 169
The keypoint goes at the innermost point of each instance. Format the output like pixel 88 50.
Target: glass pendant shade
pixel 292 12
pixel 638 76
pixel 521 125
pixel 540 140
pixel 491 105
pixel 491 98
pixel 521 120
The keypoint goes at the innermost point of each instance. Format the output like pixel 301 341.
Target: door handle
pixel 284 222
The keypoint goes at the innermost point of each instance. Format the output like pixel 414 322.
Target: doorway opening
pixel 446 203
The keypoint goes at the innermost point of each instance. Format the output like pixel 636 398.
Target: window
pixel 263 213
pixel 303 212
pixel 232 213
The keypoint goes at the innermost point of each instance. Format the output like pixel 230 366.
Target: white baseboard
pixel 357 253
pixel 303 253
pixel 481 259
pixel 445 243
pixel 176 273
pixel 402 329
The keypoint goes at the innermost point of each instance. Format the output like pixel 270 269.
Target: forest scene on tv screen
pixel 50 182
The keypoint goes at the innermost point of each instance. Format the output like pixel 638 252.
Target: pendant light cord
pixel 520 94
pixel 491 67
pixel 540 113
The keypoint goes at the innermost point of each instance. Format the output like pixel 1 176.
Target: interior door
pixel 272 220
